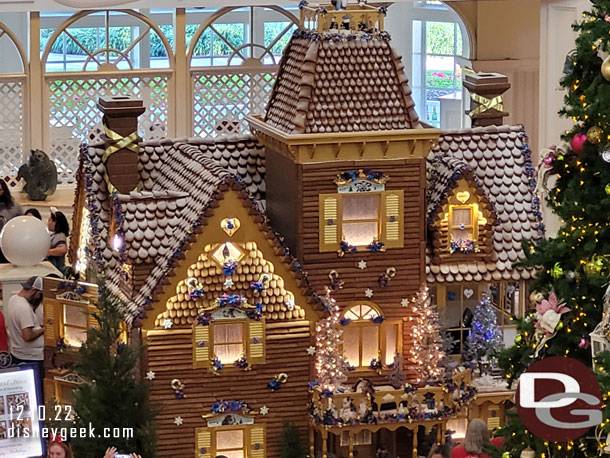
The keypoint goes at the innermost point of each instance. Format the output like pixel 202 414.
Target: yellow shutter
pixel 256 341
pixel 201 346
pixel 51 322
pixel 257 442
pixel 49 389
pixel 204 443
pixel 393 218
pixel 330 224
pixel 91 321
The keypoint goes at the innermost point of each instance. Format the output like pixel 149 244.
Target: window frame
pixel 361 324
pixel 85 309
pixel 474 222
pixel 244 333
pixel 244 437
pixel 378 220
pixel 384 221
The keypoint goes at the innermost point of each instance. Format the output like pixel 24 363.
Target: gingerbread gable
pixel 497 160
pixel 460 215
pixel 178 182
pixel 333 82
pixel 234 257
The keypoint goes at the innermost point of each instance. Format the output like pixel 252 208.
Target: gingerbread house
pixel 481 207
pixel 339 170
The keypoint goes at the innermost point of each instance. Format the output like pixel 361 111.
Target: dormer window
pixel 462 226
pixel 362 214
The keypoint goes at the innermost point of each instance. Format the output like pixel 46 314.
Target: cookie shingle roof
pixel 179 180
pixel 341 83
pixel 501 163
pixel 182 308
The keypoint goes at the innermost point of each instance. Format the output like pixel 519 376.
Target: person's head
pixel 59 450
pixel 58 223
pixel 439 451
pixel 33 212
pixel 5 194
pixel 477 435
pixel 32 290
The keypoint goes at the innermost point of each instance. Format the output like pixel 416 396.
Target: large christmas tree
pixel 113 397
pixel 568 292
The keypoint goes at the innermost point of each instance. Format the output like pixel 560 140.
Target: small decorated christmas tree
pixel 397 377
pixel 485 337
pixel 427 355
pixel 113 396
pixel 292 446
pixel 330 362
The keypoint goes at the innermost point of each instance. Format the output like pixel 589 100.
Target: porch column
pixel 325 444
pixel 415 442
pixel 351 445
pixel 312 447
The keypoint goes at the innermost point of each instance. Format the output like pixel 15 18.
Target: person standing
pixel 25 332
pixel 60 230
pixel 477 436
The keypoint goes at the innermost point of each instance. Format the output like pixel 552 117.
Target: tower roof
pixel 348 81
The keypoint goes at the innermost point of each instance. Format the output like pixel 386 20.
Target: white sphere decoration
pixel 25 241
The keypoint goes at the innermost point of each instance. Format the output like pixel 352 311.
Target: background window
pixel 461 223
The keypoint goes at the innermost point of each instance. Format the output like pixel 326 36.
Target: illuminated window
pixel 227 252
pixel 361 218
pixel 231 443
pixel 462 227
pixel 365 340
pixel 363 437
pixel 229 341
pixel 74 324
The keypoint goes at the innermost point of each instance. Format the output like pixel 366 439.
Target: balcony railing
pixel 384 404
pixel 323 18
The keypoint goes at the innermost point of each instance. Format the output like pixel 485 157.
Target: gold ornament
pixel 606 68
pixel 518 339
pixel 608 189
pixel 594 135
pixel 536 298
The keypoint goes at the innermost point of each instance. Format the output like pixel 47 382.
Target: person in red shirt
pixel 477 435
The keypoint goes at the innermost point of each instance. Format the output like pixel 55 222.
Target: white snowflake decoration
pixel 229 283
pixel 311 350
pixel 368 293
pixel 150 375
pixel 167 323
pixel 362 264
pixel 264 410
pixel 178 421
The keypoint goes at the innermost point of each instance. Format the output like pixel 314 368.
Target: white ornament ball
pixel 25 241
pixel 528 453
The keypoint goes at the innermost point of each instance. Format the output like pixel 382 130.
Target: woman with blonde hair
pixel 477 436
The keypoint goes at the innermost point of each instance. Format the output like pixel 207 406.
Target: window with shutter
pixel 361 218
pixel 201 346
pixel 229 340
pixel 51 331
pixel 204 443
pixel 257 442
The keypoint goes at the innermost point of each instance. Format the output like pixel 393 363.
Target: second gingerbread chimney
pixel 121 142
pixel 487 105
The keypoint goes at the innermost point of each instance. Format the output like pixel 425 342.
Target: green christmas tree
pixel 292 446
pixel 113 396
pixel 568 292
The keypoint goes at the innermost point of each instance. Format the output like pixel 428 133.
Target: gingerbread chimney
pixel 121 141
pixel 487 105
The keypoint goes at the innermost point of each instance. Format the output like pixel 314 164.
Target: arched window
pixel 368 336
pixel 432 39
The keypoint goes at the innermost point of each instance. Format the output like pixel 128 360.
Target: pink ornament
pixel 607 18
pixel 548 160
pixel 584 343
pixel 578 142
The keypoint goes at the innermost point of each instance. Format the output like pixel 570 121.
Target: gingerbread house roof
pixel 341 82
pixel 500 161
pixel 181 180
